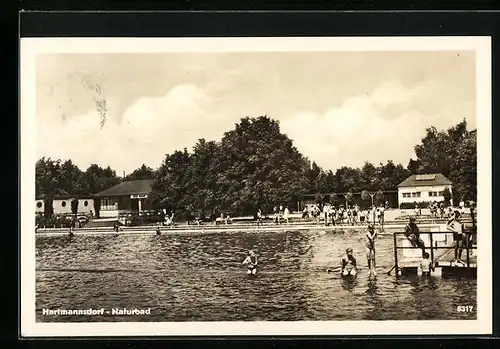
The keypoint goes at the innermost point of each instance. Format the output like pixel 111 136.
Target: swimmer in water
pixel 251 263
pixel 349 263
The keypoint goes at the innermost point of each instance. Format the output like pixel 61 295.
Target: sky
pixel 339 108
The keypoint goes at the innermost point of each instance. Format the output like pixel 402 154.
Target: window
pixel 63 204
pixel 407 195
pixel 85 203
pixel 108 204
pixel 39 204
pixel 433 193
pixel 415 194
pixel 441 193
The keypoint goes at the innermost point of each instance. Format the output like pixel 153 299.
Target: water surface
pixel 198 277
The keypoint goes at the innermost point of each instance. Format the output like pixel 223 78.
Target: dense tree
pixel 334 199
pixel 313 175
pixel 96 179
pixel 55 178
pixel 369 177
pixel 454 154
pixel 47 177
pixel 255 165
pixel 70 178
pixel 379 197
pixel 202 179
pixel 143 172
pixel 464 169
pixel 413 166
pixel 258 165
pixel 328 185
pixel 348 179
pixel 365 196
pixel 47 182
pixel 318 198
pixel 349 197
pixel 447 195
pixel 171 189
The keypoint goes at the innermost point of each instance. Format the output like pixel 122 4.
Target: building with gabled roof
pixel 423 188
pixel 125 196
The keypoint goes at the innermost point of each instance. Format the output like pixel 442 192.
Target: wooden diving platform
pixel 441 248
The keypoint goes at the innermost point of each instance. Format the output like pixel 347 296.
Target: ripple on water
pixel 199 277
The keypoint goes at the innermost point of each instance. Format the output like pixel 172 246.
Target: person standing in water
pixel 426 265
pixel 251 263
pixel 457 228
pixel 370 248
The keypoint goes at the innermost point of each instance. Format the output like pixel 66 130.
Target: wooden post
pixel 467 249
pixel 435 245
pixel 395 254
pixel 432 247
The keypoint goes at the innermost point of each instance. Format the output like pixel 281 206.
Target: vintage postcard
pixel 256 186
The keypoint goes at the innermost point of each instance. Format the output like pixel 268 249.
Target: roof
pixel 141 186
pixel 423 180
pixel 54 197
pixel 64 197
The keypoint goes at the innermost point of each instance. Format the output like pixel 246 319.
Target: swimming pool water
pixel 199 277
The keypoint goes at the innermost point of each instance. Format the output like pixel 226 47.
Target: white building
pixel 423 188
pixel 63 205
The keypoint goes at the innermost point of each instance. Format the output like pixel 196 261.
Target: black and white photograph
pixel 256 186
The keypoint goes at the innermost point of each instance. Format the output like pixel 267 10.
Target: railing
pixel 469 237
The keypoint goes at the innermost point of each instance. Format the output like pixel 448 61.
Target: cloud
pixel 383 125
pixel 338 109
pixel 148 129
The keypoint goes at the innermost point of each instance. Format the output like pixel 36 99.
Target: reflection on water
pixel 199 277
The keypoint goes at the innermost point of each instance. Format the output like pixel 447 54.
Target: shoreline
pixel 387 230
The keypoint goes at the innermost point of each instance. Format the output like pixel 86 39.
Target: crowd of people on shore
pixel 443 211
pixel 348 215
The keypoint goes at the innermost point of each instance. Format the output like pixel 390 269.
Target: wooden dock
pixel 440 246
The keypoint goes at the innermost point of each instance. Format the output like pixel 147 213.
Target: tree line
pixel 255 165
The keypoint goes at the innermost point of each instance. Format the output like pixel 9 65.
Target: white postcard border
pixel 30 47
